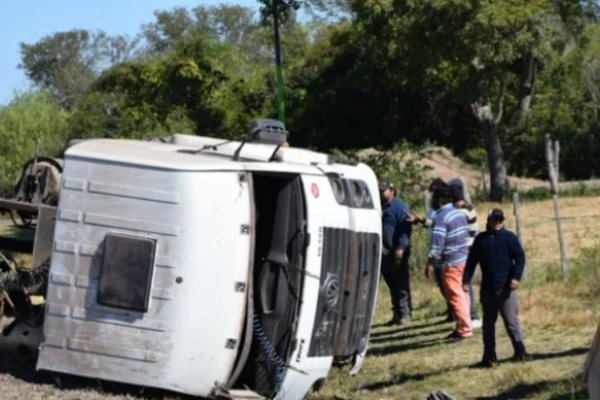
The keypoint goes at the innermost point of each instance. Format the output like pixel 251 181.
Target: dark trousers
pixel 397 278
pixel 439 280
pixel 502 301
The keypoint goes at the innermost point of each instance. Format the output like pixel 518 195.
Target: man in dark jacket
pixel 502 261
pixel 396 232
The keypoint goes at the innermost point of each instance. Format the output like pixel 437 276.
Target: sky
pixel 27 21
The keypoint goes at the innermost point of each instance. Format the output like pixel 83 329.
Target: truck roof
pixel 198 153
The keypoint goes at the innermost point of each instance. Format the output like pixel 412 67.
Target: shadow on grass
pixel 408 326
pixel 387 350
pixel 401 336
pixel 403 378
pixel 560 389
pixel 571 352
pixel 543 356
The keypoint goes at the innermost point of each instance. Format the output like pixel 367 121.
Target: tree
pixel 202 86
pixel 483 54
pixel 30 117
pixel 169 28
pixel 66 63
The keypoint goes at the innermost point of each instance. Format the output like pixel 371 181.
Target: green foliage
pixel 475 156
pixel 202 74
pixel 386 72
pixel 30 117
pixel 66 63
pixel 544 193
pixel 584 273
pixel 399 165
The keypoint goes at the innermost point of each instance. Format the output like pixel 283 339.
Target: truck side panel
pixel 194 222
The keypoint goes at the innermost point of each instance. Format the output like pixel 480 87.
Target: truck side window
pixel 126 272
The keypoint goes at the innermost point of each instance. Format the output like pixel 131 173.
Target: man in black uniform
pixel 396 232
pixel 502 261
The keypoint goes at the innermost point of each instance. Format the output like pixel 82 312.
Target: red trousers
pixel 458 298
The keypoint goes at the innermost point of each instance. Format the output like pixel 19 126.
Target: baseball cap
pixel 385 185
pixel 457 192
pixel 496 213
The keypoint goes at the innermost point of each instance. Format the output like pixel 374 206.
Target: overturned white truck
pixel 207 267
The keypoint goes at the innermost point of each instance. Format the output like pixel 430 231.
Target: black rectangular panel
pixel 126 272
pixel 334 267
pixel 349 279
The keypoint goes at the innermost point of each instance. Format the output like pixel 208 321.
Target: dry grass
pixel 559 320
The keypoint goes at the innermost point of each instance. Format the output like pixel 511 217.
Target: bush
pixel 399 166
pixel 584 273
pixel 30 118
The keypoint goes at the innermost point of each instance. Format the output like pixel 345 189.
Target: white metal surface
pixel 195 206
pixel 188 339
pixel 323 211
pixel 186 154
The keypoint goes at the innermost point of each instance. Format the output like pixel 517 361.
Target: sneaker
pixel 476 323
pixel 405 320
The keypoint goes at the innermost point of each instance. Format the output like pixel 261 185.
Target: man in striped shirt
pixel 450 247
pixel 459 197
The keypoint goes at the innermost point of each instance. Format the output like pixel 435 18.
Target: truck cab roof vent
pixel 269 131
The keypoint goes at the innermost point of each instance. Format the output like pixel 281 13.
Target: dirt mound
pixel 441 163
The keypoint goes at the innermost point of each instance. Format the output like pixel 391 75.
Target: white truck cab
pixel 210 267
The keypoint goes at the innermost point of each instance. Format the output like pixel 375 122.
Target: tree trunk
pixel 488 124
pixel 528 77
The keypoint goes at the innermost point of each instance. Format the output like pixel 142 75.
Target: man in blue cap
pixel 396 232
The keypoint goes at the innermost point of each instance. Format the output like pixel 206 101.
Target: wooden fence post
pixel 552 153
pixel 517 213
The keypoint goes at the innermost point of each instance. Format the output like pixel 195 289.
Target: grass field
pixel 558 318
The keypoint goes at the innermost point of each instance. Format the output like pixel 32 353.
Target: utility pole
pixel 278 68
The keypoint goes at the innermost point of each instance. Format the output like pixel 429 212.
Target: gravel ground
pixel 20 381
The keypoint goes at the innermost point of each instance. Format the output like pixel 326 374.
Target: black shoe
pixel 392 322
pixel 520 352
pixel 486 363
pixel 455 337
pixel 520 357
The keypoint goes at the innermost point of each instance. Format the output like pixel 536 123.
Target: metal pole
pixel 278 68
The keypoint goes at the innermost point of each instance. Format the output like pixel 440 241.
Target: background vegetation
pixel 484 78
